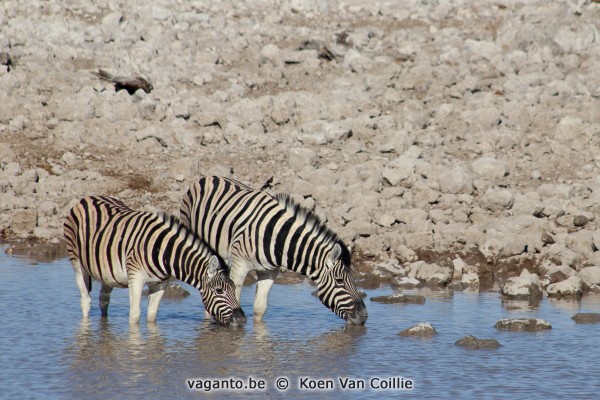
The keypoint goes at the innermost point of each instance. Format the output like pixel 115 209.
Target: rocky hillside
pixel 414 128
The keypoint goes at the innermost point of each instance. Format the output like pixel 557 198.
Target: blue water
pixel 48 352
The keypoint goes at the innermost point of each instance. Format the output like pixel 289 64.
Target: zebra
pixel 253 230
pixel 119 247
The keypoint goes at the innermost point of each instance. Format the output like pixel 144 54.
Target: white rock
pixel 185 169
pixel 590 275
pixel 392 266
pixel 497 199
pixel 491 249
pixel 312 132
pixel 455 181
pixel 523 286
pixel 335 131
pixel 414 218
pixel 24 222
pixel 300 157
pixel 560 190
pixel 405 254
pixel 470 278
pixel 406 281
pixel 271 53
pixel 430 273
pixel 569 287
pixel 489 168
pixel 576 37
pixel 419 240
pixel 355 61
pixel 482 48
pixel 10 169
pixel 400 172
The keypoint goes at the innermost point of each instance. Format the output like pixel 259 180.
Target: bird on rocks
pixel 268 184
pixel 131 84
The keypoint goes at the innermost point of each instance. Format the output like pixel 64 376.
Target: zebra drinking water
pixel 253 230
pixel 120 247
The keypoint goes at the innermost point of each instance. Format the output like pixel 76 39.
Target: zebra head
pixel 218 295
pixel 336 287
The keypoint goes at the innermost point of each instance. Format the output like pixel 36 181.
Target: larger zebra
pixel 253 230
pixel 120 247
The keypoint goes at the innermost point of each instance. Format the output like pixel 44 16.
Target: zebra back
pixel 282 232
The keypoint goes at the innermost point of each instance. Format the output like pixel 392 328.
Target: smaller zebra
pixel 120 247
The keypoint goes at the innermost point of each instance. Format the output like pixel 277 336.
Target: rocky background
pixel 448 142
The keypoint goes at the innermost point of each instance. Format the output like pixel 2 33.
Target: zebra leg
pixel 84 283
pixel 136 285
pixel 237 273
pixel 104 299
pixel 263 287
pixel 156 292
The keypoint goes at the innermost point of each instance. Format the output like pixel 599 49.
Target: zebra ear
pixel 335 255
pixel 213 267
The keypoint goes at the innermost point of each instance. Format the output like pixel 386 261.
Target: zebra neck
pixel 307 259
pixel 187 264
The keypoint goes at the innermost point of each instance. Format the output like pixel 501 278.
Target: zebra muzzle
pixel 358 316
pixel 237 318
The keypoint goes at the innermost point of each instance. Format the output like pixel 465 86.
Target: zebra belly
pixel 113 276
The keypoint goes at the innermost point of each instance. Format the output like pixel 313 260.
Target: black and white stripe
pixel 253 230
pixel 120 247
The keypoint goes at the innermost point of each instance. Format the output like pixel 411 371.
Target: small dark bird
pixel 6 60
pixel 131 84
pixel 268 184
pixel 322 50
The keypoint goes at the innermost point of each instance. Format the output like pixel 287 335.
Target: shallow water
pixel 48 351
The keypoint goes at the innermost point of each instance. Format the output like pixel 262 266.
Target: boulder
pixel 406 282
pixel 422 330
pixel 489 168
pixel 524 286
pixel 590 275
pixel 430 274
pixel 24 222
pixel 525 325
pixel 473 343
pixel 300 157
pixel 570 287
pixel 497 199
pixel 586 318
pixel 455 180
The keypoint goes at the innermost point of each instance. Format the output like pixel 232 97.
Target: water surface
pixel 47 351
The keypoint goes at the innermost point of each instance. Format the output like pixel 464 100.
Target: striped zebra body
pixel 253 230
pixel 120 247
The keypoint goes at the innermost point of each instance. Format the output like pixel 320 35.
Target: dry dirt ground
pixel 414 128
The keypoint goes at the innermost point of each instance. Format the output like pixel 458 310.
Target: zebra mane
pixel 311 219
pixel 187 234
